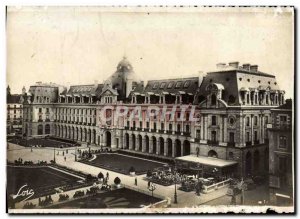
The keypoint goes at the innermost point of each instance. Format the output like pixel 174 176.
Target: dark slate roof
pixel 287 106
pixel 240 69
pixel 13 98
pixel 85 90
pixel 187 85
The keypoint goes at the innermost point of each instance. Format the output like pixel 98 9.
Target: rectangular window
pixel 247 121
pixel 282 142
pixel 141 124
pixel 231 137
pixel 282 164
pixel 170 127
pixel 198 133
pixel 47 110
pixel 147 124
pixel 162 126
pixel 255 135
pixel 40 110
pixel 213 120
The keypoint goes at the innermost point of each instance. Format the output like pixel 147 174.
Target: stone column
pixel 157 147
pixel 174 149
pixel 137 143
pixel 130 143
pixel 206 125
pixel 252 131
pixel 165 148
pixel 221 134
pixel 150 146
pixel 144 144
pixel 92 137
pixel 181 149
pixel 225 129
pixel 75 134
pixel 262 127
pixel 202 130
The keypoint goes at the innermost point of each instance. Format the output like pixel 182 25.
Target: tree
pixel 100 175
pixel 131 169
pixel 149 173
pixel 89 178
pixel 117 181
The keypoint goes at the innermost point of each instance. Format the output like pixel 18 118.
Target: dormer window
pixel 178 84
pixel 162 85
pixel 186 84
pixel 155 86
pixel 213 99
pixel 170 85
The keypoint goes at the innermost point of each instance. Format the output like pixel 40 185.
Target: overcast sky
pixel 80 45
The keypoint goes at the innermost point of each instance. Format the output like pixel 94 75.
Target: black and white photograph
pixel 150 110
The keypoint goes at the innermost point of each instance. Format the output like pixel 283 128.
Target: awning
pixel 209 161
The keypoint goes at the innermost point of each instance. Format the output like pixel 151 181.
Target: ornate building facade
pixel 281 155
pixel 232 106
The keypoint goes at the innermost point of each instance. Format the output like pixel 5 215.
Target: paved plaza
pixel 122 163
pixel 185 199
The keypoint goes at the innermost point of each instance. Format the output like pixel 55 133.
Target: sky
pixel 78 45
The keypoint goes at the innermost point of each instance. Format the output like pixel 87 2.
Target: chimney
pixel 221 65
pixel 234 64
pixel 246 67
pixel 254 68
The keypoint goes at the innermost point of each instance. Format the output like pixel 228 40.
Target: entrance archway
pixel 186 148
pixel 153 145
pixel 177 148
pixel 108 139
pixel 248 167
pixel 161 146
pixel 256 160
pixel 140 140
pixel 147 143
pixel 212 153
pixel 133 141
pixel 170 147
pixel 126 146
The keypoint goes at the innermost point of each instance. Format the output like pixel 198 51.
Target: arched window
pixel 40 130
pixel 231 99
pixel 212 153
pixel 47 129
pixel 201 98
pixel 213 99
pixel 230 155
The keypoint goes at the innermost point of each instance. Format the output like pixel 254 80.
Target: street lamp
pixel 151 188
pixel 175 181
pixel 54 156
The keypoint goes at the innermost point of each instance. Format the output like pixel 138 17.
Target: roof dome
pixel 124 64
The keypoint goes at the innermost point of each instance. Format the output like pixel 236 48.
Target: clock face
pixel 231 120
pixel 198 117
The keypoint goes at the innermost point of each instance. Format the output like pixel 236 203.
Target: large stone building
pixel 14 112
pixel 281 155
pixel 232 105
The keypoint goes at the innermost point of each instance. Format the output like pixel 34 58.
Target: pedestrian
pixel 149 183
pixel 63 153
pixel 65 158
pixel 107 175
pixel 135 181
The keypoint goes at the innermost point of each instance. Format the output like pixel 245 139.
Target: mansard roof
pixel 13 98
pixel 93 90
pixel 170 86
pixel 236 80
